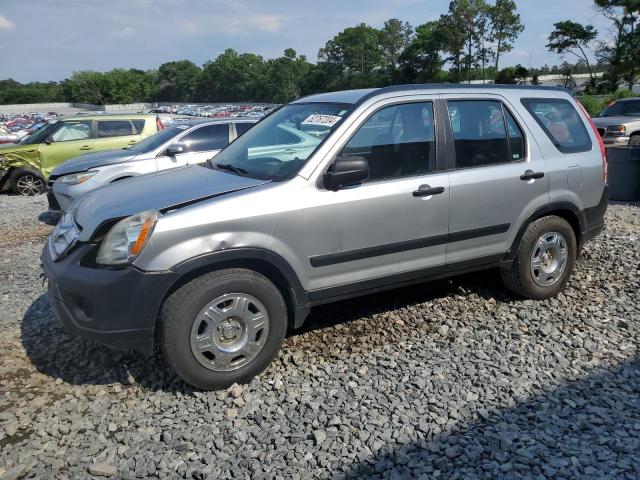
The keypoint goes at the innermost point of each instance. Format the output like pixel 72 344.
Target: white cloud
pixel 234 24
pixel 6 24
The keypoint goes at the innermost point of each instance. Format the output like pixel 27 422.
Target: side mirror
pixel 346 171
pixel 48 140
pixel 175 149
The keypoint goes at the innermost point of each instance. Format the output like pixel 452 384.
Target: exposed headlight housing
pixel 127 238
pixel 64 236
pixel 77 178
pixel 616 131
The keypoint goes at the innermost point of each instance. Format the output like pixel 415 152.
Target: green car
pixel 25 167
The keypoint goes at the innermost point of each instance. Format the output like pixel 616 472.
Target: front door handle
pixel 531 175
pixel 85 147
pixel 427 191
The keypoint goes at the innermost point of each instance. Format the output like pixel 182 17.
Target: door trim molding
pixel 397 247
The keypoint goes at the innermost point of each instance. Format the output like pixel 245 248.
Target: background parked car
pixel 25 167
pixel 619 123
pixel 185 143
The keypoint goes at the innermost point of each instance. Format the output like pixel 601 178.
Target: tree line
pixel 465 43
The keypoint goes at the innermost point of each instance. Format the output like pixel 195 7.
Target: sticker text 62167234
pixel 324 120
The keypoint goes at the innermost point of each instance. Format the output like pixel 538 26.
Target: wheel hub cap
pixel 549 258
pixel 229 332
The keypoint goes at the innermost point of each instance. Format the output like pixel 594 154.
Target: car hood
pixel 606 121
pixel 93 160
pixel 156 191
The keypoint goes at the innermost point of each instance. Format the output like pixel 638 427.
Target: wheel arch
pixel 568 211
pixel 265 262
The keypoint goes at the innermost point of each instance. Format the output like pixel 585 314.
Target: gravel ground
pixel 451 379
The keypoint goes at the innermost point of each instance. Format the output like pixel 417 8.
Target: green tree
pixel 621 55
pixel 506 26
pixel 572 37
pixel 394 38
pixel 232 77
pixel 421 60
pixel 284 77
pixel 356 53
pixel 178 81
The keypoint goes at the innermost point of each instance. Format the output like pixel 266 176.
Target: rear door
pixel 114 134
pixel 498 177
pixel 70 139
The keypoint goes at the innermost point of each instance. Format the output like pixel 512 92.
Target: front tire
pixel 27 183
pixel 222 328
pixel 545 259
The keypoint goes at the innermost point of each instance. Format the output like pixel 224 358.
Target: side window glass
pixel 479 133
pixel 69 131
pixel 397 141
pixel 243 127
pixel 114 128
pixel 516 137
pixel 211 137
pixel 561 122
pixel 138 126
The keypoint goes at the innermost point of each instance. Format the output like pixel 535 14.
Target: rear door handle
pixel 531 175
pixel 427 191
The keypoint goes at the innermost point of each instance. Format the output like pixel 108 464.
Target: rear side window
pixel 210 137
pixel 138 126
pixel 243 127
pixel 114 128
pixel 561 122
pixel 480 136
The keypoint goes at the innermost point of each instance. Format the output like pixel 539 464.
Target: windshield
pixel 39 135
pixel 277 147
pixel 157 139
pixel 629 108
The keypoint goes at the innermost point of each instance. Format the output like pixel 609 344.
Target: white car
pixel 187 143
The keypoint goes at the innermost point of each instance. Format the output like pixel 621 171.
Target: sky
pixel 43 40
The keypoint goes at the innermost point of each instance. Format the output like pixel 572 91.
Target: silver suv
pixel 329 197
pixel 190 142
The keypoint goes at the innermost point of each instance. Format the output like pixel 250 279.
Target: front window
pixel 279 145
pixel 70 131
pixel 40 135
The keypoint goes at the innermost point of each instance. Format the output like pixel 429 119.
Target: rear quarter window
pixel 138 126
pixel 561 122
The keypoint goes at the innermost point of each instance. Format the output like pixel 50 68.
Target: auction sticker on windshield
pixel 324 120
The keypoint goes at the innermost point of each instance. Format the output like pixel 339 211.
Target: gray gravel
pixel 451 379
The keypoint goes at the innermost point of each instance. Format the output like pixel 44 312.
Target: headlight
pixel 127 238
pixel 64 236
pixel 616 130
pixel 77 178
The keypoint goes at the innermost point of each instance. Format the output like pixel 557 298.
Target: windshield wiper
pixel 231 168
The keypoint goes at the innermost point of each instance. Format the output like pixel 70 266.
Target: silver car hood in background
pixel 607 121
pixel 93 160
pixel 155 191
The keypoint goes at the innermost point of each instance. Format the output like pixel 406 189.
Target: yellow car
pixel 25 167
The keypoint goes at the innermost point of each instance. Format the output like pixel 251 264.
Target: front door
pixel 497 178
pixel 70 139
pixel 395 223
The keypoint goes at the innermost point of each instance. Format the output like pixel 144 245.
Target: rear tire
pixel 545 259
pixel 27 182
pixel 222 328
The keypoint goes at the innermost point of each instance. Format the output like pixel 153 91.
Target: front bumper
pixel 115 307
